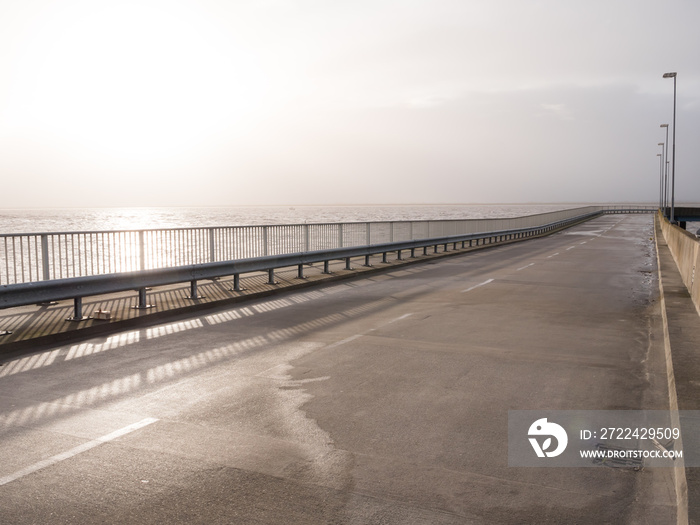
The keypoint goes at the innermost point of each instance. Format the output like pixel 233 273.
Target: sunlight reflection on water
pixel 99 219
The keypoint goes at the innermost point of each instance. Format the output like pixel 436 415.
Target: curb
pixel 681 484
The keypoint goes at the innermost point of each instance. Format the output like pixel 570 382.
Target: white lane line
pixel 404 316
pixel 346 340
pixel 584 242
pixel 526 266
pixel 571 247
pixel 357 336
pixel 477 285
pixel 554 254
pixel 75 451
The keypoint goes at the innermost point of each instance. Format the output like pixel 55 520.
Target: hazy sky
pixel 214 102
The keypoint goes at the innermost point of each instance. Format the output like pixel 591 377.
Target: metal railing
pixel 33 257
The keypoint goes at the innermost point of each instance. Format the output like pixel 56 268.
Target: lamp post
pixel 666 172
pixel 661 171
pixel 661 175
pixel 673 153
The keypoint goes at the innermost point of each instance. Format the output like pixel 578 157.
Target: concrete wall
pixel 685 248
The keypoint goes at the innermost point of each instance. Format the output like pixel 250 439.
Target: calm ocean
pixel 92 219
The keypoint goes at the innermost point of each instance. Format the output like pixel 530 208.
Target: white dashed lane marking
pixel 477 285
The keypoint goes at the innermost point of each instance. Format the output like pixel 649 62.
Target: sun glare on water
pixel 134 81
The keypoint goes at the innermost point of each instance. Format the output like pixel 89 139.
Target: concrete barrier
pixel 685 248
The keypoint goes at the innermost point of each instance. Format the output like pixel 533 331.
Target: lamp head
pixel 670 75
pixel 664 125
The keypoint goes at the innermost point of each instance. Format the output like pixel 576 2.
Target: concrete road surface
pixel 379 400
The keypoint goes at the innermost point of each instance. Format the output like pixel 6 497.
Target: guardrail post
pixel 325 267
pixel 384 258
pixel 347 264
pixel 300 271
pixel 77 310
pixel 425 250
pixel 193 290
pixel 142 300
pixel 398 255
pixel 413 253
pixel 271 276
pixel 236 283
pixel 367 261
pixel 45 257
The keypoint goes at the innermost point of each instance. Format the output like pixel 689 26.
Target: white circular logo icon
pixel 542 428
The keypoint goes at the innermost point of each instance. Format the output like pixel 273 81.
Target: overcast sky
pixel 226 102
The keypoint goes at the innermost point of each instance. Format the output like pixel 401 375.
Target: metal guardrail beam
pixel 75 288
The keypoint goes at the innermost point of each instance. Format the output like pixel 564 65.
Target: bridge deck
pixel 377 400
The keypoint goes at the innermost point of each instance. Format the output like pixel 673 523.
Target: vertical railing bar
pixel 6 272
pixel 142 250
pixel 21 258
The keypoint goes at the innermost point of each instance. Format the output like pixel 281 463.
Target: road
pixel 379 400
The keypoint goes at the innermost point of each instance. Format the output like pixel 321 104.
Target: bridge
pixel 373 394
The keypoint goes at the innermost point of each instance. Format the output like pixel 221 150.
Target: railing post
pixel 265 250
pixel 306 237
pixel 142 251
pixel 45 257
pixel 369 234
pixel 212 247
pixel 340 235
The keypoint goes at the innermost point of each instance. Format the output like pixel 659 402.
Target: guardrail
pixel 45 256
pixel 76 288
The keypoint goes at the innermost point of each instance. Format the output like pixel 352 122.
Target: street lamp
pixel 661 171
pixel 666 173
pixel 661 175
pixel 673 154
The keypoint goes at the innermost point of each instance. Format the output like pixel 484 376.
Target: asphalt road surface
pixel 378 400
